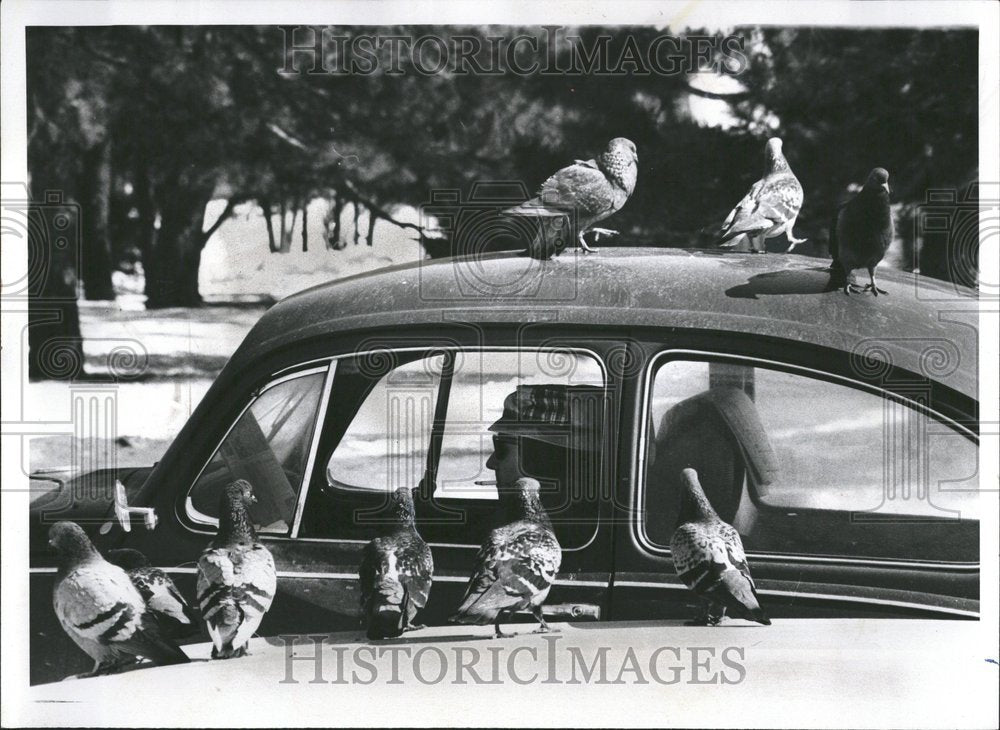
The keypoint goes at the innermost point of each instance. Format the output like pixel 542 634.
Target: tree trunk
pixel 55 345
pixel 305 225
pixel 95 208
pixel 172 269
pixel 265 206
pixel 372 220
pixel 357 223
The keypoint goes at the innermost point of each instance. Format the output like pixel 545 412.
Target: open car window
pixel 421 420
pixel 268 445
pixel 801 464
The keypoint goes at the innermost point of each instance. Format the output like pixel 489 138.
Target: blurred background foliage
pixel 142 127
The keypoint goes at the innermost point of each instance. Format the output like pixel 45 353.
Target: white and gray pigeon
pixel 516 566
pixel 579 196
pixel 236 576
pixel 861 233
pixel 396 573
pixel 709 558
pixel 176 617
pixel 770 208
pixel 101 610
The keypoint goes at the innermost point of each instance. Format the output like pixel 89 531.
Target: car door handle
pixel 572 610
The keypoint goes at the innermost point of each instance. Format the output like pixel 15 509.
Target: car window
pixel 423 420
pixel 481 382
pixel 802 464
pixel 268 446
pixel 385 445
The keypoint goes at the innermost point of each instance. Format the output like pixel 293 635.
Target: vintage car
pixel 839 434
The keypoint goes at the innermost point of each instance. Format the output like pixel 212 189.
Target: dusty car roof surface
pixel 925 325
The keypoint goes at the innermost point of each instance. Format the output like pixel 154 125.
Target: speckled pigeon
pixel 100 609
pixel 770 208
pixel 708 556
pixel 861 233
pixel 236 576
pixel 396 572
pixel 586 192
pixel 516 566
pixel 175 616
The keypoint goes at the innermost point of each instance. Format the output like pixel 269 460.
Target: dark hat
pixel 570 416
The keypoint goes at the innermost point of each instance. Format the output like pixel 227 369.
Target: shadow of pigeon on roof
pixel 775 283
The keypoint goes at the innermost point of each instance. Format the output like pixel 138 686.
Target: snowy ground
pixel 166 359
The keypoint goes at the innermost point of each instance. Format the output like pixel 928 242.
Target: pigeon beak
pixel 885 186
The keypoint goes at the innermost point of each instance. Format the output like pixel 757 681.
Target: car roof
pixel 924 325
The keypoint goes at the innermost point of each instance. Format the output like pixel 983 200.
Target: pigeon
pixel 708 556
pixel 516 566
pixel 395 574
pixel 861 233
pixel 588 190
pixel 770 208
pixel 236 576
pixel 101 610
pixel 175 616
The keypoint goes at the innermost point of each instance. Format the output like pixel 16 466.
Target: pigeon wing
pixel 162 596
pixel 97 604
pixel 581 187
pixel 416 571
pixel 515 568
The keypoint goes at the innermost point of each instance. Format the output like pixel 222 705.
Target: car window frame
pixel 315 365
pixel 200 519
pixel 662 356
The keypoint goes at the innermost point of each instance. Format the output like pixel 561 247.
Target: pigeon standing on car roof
pixel 516 566
pixel 236 576
pixel 101 610
pixel 396 572
pixel 578 196
pixel 176 617
pixel 708 556
pixel 861 233
pixel 770 208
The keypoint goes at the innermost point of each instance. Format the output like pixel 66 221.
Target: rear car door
pixel 854 499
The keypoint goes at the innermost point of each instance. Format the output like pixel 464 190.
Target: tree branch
pixel 230 205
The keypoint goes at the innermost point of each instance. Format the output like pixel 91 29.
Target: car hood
pixel 818 671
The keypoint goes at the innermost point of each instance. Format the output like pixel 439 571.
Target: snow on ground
pixel 166 359
pixel 237 262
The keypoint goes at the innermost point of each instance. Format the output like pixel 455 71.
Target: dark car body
pixel 630 311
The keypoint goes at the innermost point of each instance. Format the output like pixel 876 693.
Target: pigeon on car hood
pixel 708 556
pixel 101 610
pixel 516 566
pixel 236 576
pixel 396 572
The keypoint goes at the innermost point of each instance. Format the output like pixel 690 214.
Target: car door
pixel 853 499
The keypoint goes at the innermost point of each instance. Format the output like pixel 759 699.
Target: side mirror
pixel 124 513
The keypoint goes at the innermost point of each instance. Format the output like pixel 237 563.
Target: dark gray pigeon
pixel 708 556
pixel 770 208
pixel 516 566
pixel 396 573
pixel 236 576
pixel 101 610
pixel 588 191
pixel 861 233
pixel 174 614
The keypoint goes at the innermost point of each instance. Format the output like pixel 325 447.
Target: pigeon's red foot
pixel 414 627
pixel 850 288
pixel 875 290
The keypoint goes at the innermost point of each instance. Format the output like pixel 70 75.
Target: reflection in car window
pixel 804 465
pixel 268 446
